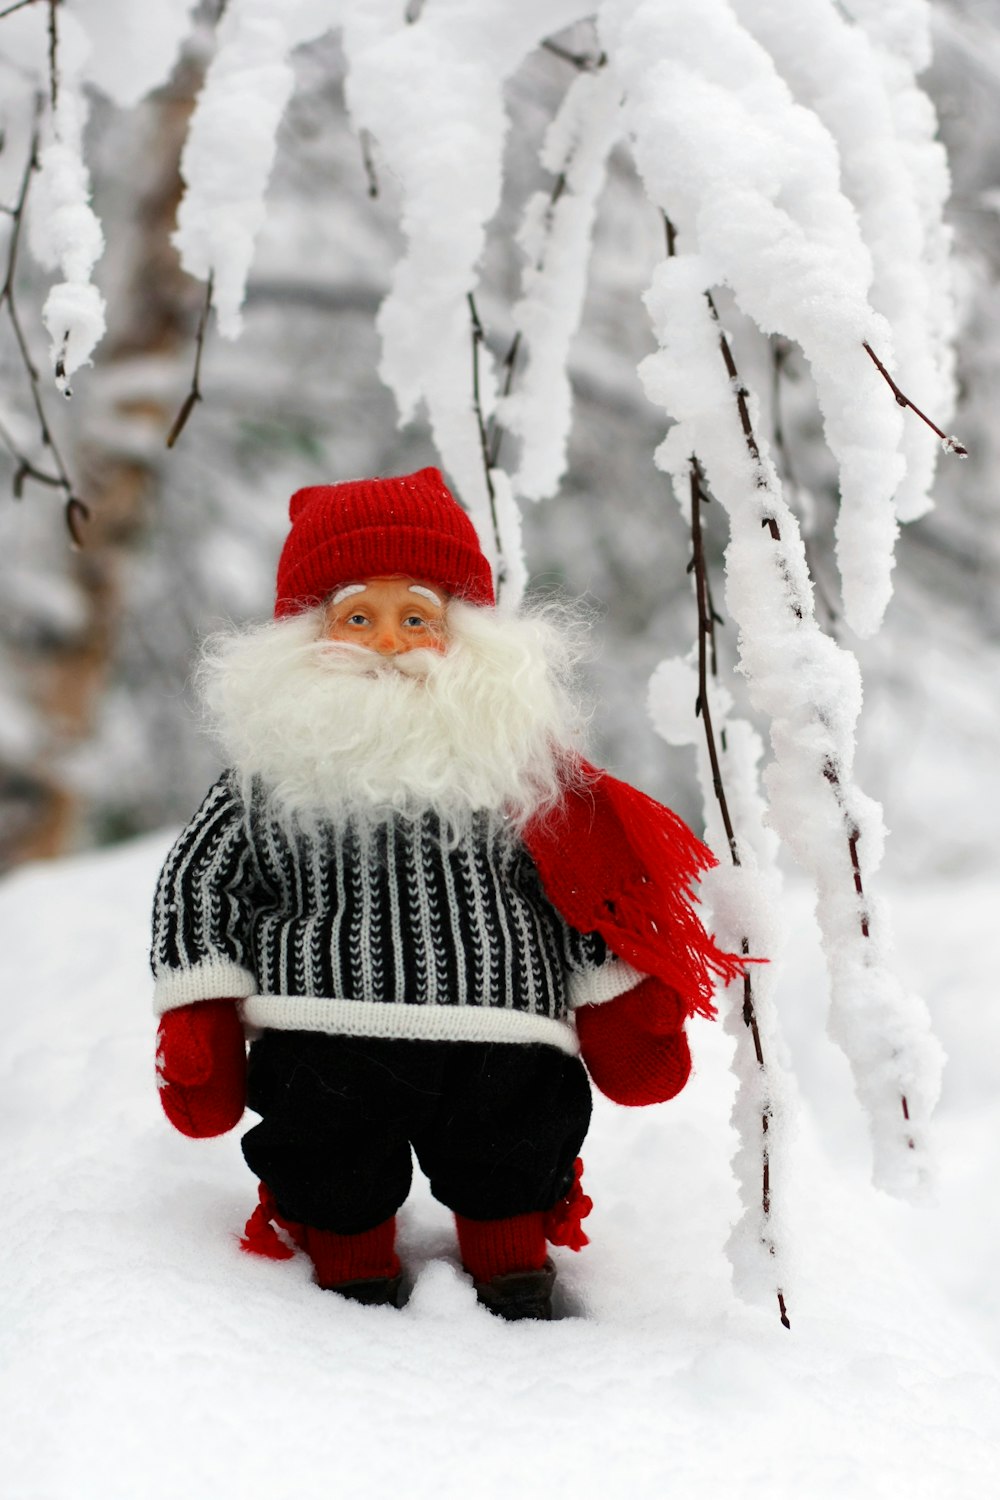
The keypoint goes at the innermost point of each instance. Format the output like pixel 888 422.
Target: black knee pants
pixel 495 1126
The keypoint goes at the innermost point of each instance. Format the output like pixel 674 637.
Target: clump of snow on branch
pixel 895 174
pixel 125 50
pixel 508 517
pixel 431 97
pixel 900 27
pixel 65 233
pixel 810 691
pixel 902 38
pixel 744 909
pixel 751 180
pixel 555 239
pixel 230 147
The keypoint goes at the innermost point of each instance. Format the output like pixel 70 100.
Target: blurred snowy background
pixel 97 735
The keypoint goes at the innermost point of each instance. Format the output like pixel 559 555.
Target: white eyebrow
pixel 347 591
pixel 416 588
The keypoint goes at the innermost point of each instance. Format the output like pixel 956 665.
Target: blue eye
pixel 357 619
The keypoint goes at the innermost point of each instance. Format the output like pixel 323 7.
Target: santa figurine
pixel 429 915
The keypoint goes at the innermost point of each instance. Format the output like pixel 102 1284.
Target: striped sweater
pixel 393 932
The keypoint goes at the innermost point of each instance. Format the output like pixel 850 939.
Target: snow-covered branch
pixel 745 904
pixel 75 510
pixel 555 239
pixel 809 690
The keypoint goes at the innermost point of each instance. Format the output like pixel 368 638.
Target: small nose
pixel 388 642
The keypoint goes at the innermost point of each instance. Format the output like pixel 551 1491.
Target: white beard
pixel 334 731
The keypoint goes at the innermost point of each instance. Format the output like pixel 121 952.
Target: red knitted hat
pixel 367 528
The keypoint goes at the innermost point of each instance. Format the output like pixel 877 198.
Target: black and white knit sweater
pixel 395 932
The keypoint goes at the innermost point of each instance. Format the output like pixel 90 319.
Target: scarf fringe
pixel 614 861
pixel 564 1221
pixel 259 1234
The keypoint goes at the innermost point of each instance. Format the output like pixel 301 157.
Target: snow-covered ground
pixel 144 1356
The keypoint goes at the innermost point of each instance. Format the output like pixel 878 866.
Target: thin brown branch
pixel 368 162
pixel 779 354
pixel 741 393
pixel 17 214
pixel 10 9
pixel 585 62
pixel 77 515
pixel 194 394
pixel 495 430
pixel 831 775
pixel 53 55
pixel 853 837
pixel 705 627
pixel 26 469
pixel 951 444
pixel 478 338
pixel 768 522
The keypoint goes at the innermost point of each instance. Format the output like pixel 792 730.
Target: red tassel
pixel 259 1236
pixel 564 1221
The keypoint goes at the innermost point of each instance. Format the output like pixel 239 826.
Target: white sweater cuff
pixel 212 979
pixel 596 986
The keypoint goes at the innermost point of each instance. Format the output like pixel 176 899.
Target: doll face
pixel 388 615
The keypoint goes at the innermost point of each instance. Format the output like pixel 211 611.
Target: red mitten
pixel 201 1067
pixel 634 1046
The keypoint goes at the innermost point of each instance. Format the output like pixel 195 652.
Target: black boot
pixel 373 1291
pixel 520 1294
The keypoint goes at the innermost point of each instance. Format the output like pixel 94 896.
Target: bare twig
pixel 194 394
pixel 705 634
pixel 584 61
pixel 951 444
pixel 779 354
pixel 368 162
pixel 496 432
pixel 742 401
pixel 478 337
pixel 25 468
pixel 10 9
pixel 53 54
pixel 768 523
pixel 77 515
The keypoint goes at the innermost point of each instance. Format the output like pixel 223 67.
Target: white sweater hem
pixel 432 1023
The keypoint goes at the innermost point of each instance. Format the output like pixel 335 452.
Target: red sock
pixel 352 1257
pixel 491 1247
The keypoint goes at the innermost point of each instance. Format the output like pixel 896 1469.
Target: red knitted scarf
pixel 614 861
